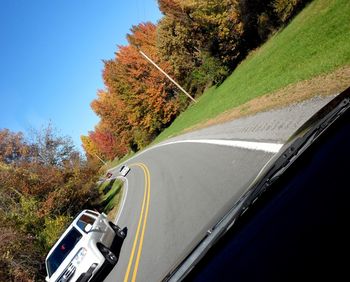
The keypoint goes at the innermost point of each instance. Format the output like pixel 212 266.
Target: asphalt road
pixel 271 126
pixel 176 192
pixel 190 187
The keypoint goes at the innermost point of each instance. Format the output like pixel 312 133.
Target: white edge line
pixel 258 146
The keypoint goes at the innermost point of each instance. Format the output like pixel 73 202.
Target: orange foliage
pixel 12 146
pixel 138 101
pixel 107 143
pixel 46 180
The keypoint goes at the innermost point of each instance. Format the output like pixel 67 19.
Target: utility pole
pixel 163 72
pixel 100 159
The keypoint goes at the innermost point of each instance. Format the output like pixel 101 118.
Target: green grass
pixel 110 196
pixel 316 42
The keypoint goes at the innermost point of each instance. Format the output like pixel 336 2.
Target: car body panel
pixel 100 232
pixel 124 170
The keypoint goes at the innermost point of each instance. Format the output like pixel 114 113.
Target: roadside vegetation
pixel 214 49
pixel 44 183
pixel 199 43
pixel 312 47
pixel 310 56
pixel 110 196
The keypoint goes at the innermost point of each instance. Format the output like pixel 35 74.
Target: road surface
pixel 175 194
pixel 178 190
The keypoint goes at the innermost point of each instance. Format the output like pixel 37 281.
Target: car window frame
pixel 78 219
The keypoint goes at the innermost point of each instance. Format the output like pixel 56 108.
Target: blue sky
pixel 51 54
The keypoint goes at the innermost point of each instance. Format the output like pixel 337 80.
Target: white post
pixel 172 80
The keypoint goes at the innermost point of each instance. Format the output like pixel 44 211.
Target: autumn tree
pixel 151 100
pixel 286 9
pixel 200 35
pixel 197 42
pixel 105 141
pixel 220 26
pixel 138 102
pixel 12 147
pixel 178 45
pixel 262 17
pixel 49 148
pixel 90 147
pixel 114 126
pixel 39 192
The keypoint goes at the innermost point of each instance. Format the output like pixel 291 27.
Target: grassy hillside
pixel 316 42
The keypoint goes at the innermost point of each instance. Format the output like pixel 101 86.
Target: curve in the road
pixel 190 166
pixel 141 225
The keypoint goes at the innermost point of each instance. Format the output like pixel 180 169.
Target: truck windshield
pixel 62 250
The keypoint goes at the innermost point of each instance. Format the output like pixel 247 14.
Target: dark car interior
pixel 297 230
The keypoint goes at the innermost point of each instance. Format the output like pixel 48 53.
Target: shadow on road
pixel 118 242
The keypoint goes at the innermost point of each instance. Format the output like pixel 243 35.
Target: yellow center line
pixel 145 203
pixel 144 225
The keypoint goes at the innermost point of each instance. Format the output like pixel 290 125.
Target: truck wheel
pixel 115 227
pixel 120 232
pixel 110 257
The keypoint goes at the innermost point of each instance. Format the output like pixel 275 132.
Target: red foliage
pixel 109 145
pixel 139 101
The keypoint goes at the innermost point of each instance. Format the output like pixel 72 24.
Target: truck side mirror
pixel 88 228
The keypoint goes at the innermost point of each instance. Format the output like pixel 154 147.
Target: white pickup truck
pixel 85 251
